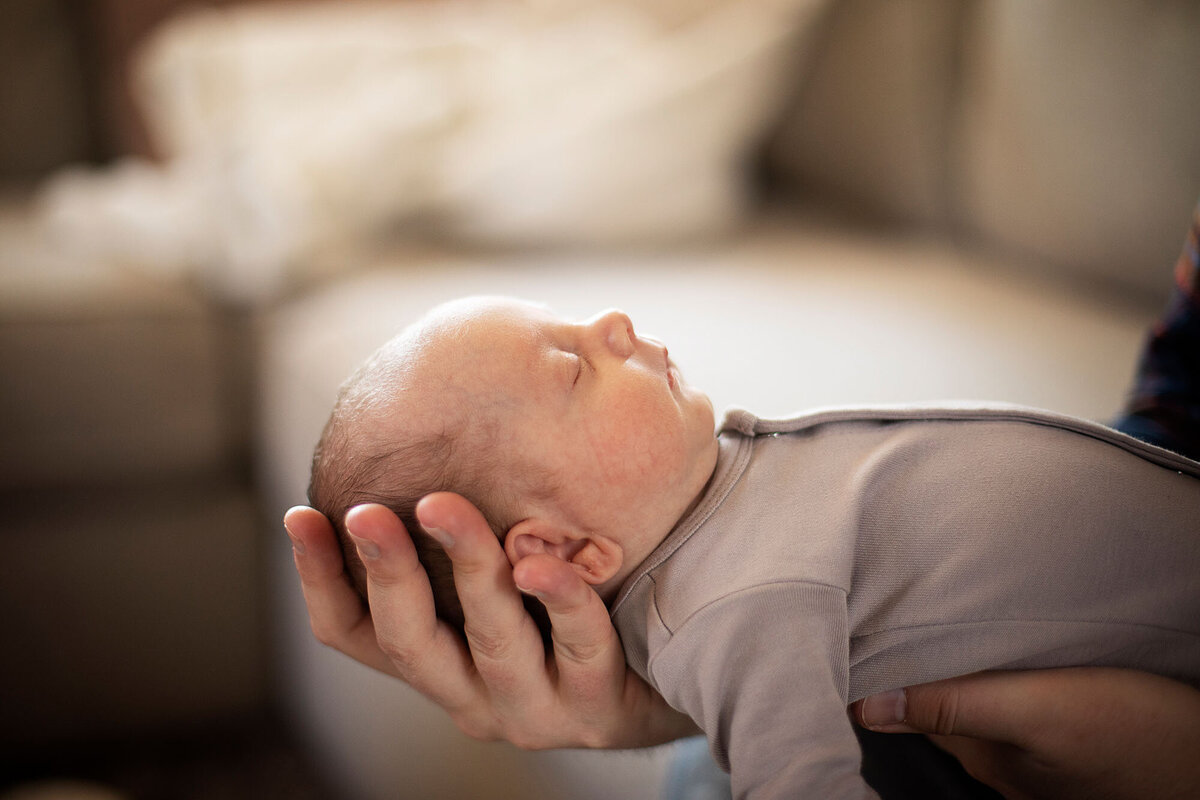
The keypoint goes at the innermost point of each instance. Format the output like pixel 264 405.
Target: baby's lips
pixel 667 363
pixel 672 370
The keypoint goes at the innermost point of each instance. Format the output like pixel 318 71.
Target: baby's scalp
pixel 414 419
pixel 400 429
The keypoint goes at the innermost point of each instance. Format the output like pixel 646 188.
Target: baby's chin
pixel 706 405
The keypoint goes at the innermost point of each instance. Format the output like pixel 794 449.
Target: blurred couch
pixel 131 556
pixel 958 199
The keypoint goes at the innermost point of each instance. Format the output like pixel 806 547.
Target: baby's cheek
pixel 633 448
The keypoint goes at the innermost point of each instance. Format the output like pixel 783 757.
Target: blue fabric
pixel 1163 407
pixel 694 775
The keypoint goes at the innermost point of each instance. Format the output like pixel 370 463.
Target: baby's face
pixel 600 408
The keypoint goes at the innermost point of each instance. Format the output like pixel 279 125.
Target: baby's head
pixel 575 439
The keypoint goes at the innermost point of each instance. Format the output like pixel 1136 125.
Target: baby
pixel 580 440
pixel 764 578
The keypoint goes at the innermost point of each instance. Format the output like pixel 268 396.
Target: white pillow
pixel 287 128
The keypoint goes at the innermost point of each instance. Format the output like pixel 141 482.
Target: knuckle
pixel 579 652
pixel 323 633
pixel 522 742
pixel 516 738
pixel 389 572
pixel 488 645
pixel 524 739
pixel 502 682
pixel 477 730
pixel 407 661
pixel 588 650
pixel 467 565
pixel 945 721
pixel 383 578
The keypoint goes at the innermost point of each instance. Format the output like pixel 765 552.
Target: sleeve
pixel 764 673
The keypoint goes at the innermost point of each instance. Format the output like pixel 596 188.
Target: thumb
pixel 985 705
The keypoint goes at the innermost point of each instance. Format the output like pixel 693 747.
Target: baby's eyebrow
pixel 548 342
pixel 556 333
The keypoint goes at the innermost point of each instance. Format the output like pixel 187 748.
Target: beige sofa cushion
pixel 107 375
pixel 868 124
pixel 1080 133
pixel 128 610
pixel 1065 135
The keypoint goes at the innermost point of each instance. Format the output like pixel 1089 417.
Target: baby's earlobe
pixel 598 560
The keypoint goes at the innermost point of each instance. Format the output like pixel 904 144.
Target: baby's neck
pixel 634 554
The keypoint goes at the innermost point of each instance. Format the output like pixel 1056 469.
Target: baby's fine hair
pixel 351 466
pixel 343 477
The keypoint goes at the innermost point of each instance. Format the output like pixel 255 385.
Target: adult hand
pixel 500 683
pixel 1066 733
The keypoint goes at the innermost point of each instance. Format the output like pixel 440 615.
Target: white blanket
pixel 287 128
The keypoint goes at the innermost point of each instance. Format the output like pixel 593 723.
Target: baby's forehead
pixel 459 341
pixel 485 311
pixel 481 328
pixel 467 343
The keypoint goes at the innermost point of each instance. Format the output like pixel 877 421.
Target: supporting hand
pixel 500 683
pixel 1067 733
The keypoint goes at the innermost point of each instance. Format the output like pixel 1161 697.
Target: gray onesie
pixel 846 552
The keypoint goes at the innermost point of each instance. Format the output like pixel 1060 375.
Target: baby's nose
pixel 616 331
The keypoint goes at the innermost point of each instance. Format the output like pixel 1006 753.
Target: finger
pixel 986 705
pixel 505 644
pixel 592 676
pixel 587 650
pixel 583 631
pixel 335 611
pixel 421 650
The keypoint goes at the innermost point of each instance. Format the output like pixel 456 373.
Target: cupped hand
pixel 1065 733
pixel 500 682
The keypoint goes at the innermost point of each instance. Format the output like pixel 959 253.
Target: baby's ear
pixel 595 558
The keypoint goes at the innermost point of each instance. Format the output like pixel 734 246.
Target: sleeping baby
pixel 765 576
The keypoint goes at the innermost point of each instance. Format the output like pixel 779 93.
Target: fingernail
pixel 444 538
pixel 885 708
pixel 366 548
pixel 530 592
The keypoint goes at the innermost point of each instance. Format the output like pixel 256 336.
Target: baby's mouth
pixel 669 369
